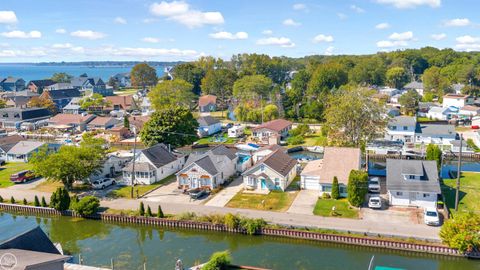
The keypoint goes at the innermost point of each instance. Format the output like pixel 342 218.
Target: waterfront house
pixel 6 143
pixel 465 148
pixel 120 103
pixel 123 79
pixel 62 97
pixel 441 113
pixel 91 84
pixel 153 164
pixel 435 133
pixel 73 107
pixel 236 131
pixel 457 100
pixel 102 123
pixel 401 128
pixel 265 151
pixel 13 118
pixel 417 86
pixel 207 103
pixel 12 84
pixel 58 86
pixel 277 129
pixel 73 122
pixel 37 86
pixel 23 150
pixel 412 182
pixel 208 125
pixel 208 170
pixel 337 162
pixel 273 172
pixel 469 111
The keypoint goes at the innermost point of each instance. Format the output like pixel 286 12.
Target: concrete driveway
pixel 393 215
pixel 304 203
pixel 171 194
pixel 225 195
pixel 28 185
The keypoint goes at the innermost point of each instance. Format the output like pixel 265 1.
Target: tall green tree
pixel 61 77
pixel 435 82
pixel 335 188
pixel 252 87
pixel 434 153
pixel 191 74
pixel 352 117
pixel 171 93
pixel 60 199
pixel 368 71
pixel 295 95
pixel 461 232
pixel 409 102
pixel 357 187
pixel 175 126
pixel 219 82
pixel 270 112
pixel 143 75
pixel 325 78
pixel 91 103
pixel 397 77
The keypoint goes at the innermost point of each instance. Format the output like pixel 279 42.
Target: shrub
pixel 44 202
pixel 252 225
pixel 335 188
pixel 461 232
pixel 12 200
pixel 434 153
pixel 187 216
pixel 301 130
pixel 326 196
pixel 149 212
pixel 60 200
pixel 1 199
pixel 25 201
pixel 160 212
pixel 73 201
pixel 141 211
pixel 294 140
pixel 87 206
pixel 357 187
pixel 231 221
pixel 36 201
pixel 218 261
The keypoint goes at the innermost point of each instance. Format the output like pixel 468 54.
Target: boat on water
pixel 316 149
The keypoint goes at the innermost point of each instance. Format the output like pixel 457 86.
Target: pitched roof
pixel 159 155
pixel 26 259
pixel 207 121
pixel 207 160
pixel 101 120
pixel 278 161
pixel 139 167
pixel 6 143
pixel 275 125
pixel 403 121
pixel 223 150
pixel 42 83
pixel 66 119
pixel 435 130
pixel 427 169
pixel 63 93
pixel 414 85
pixel 313 168
pixel 456 96
pixel 24 147
pixel 26 237
pixel 339 162
pixel 125 102
pixel 11 79
pixel 23 113
pixel 207 99
pixel 207 164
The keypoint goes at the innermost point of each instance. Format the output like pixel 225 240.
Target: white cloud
pixel 22 34
pixel 78 49
pixel 62 46
pixel 391 44
pixel 61 31
pixel 267 32
pixel 299 6
pixel 468 43
pixel 458 22
pixel 357 9
pixel 342 16
pixel 228 35
pixel 439 36
pixel 382 26
pixel 401 36
pixel 87 34
pixel 402 4
pixel 8 17
pixel 150 39
pixel 468 47
pixel 181 12
pixel 276 41
pixel 467 39
pixel 322 38
pixel 151 52
pixel 329 50
pixel 120 20
pixel 291 22
pixel 23 53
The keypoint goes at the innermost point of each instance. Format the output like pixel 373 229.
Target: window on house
pixel 393 127
pixel 16 115
pixel 277 182
pixel 405 128
pixel 327 188
pixel 262 168
pixel 425 195
pixel 399 193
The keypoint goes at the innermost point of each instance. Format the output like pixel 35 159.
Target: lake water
pixel 36 72
pixel 130 246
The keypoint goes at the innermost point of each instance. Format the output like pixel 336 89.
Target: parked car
pixel 430 216
pixel 374 185
pixel 22 176
pixel 103 183
pixel 375 202
pixel 197 193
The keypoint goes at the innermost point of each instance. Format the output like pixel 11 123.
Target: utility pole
pixel 457 192
pixel 133 164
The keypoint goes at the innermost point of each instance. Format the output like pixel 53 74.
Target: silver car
pixel 103 183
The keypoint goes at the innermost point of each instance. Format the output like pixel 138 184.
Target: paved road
pixel 225 195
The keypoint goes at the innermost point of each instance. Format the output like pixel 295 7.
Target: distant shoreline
pixel 94 63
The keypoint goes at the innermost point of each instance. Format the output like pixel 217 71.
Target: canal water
pixel 130 246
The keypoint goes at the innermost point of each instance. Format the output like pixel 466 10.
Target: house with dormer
pixel 91 84
pixel 401 128
pixel 412 182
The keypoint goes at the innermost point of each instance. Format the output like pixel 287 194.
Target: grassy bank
pixel 469 192
pixel 125 192
pixel 323 207
pixel 10 168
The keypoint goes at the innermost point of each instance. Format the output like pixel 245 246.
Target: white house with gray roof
pixel 152 165
pixel 23 150
pixel 417 86
pixel 208 170
pixel 401 128
pixel 208 125
pixel 435 133
pixel 412 183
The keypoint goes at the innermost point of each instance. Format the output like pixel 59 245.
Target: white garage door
pixel 310 183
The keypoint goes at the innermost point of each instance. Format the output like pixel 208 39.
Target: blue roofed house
pixel 208 125
pixel 91 84
pixel 12 84
pixel 61 97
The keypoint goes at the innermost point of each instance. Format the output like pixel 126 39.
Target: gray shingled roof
pixel 159 155
pixel 403 121
pixel 207 121
pixel 26 237
pixel 25 147
pixel 435 130
pixel 278 161
pixel 396 168
pixel 223 150
pixel 207 164
pixel 414 85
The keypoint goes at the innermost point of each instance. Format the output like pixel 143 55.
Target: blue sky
pixel 67 30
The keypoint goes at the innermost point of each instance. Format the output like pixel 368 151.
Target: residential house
pixel 102 123
pixel 121 103
pixel 13 118
pixel 120 132
pixel 417 86
pixel 72 122
pixel 58 86
pixel 469 111
pixel 393 111
pixel 91 84
pixel 395 99
pixel 18 101
pixel 401 128
pixel 208 125
pixel 111 167
pixel 265 151
pixel 123 79
pixel 146 106
pixel 441 113
pixel 23 150
pixel 138 121
pixel 456 147
pixel 37 86
pixel 390 92
pixel 208 170
pixel 274 172
pixel 276 129
pixel 424 107
pixel 457 100
pixel 62 97
pixel 12 84
pixel 412 182
pixel 6 143
pixel 207 103
pixel 73 107
pixel 435 133
pixel 337 162
pixel 153 164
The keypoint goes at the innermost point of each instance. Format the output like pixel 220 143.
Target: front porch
pixel 145 174
pixel 261 183
pixel 190 182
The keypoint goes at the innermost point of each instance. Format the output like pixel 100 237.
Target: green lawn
pixel 342 208
pixel 424 120
pixel 469 192
pixel 125 192
pixel 312 140
pixel 274 201
pixel 211 140
pixel 10 168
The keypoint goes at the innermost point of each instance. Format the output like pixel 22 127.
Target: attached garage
pixel 310 182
